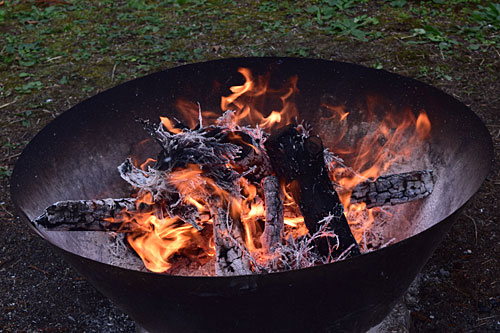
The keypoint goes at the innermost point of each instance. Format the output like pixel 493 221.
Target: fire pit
pixel 75 157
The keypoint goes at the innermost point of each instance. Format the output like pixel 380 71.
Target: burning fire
pixel 158 237
pixel 392 140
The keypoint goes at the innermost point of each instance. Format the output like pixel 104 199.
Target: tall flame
pixel 250 98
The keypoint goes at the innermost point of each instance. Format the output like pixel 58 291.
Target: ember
pixel 245 193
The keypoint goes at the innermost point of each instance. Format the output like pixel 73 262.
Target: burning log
pixel 92 215
pixel 229 248
pixel 299 160
pixel 394 189
pixel 156 183
pixel 273 230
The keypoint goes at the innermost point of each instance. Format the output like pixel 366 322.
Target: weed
pixel 88 89
pixel 276 26
pixel 268 6
pixel 488 16
pixel 5 92
pixel 138 4
pixel 25 117
pixel 300 52
pixel 398 3
pixel 82 55
pixel 442 74
pixel 3 15
pixel 482 31
pixel 27 54
pixel 5 172
pixel 438 72
pixel 11 145
pixel 126 17
pixel 35 16
pixel 29 87
pixel 432 34
pixel 351 26
pixel 64 80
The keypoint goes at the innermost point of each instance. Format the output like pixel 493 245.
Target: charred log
pixel 394 189
pixel 92 215
pixel 229 248
pixel 273 230
pixel 300 162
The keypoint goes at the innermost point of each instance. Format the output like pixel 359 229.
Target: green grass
pixel 97 44
pixel 5 172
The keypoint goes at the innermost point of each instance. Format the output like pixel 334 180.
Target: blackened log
pixel 229 244
pixel 273 229
pixel 91 215
pixel 394 189
pixel 299 161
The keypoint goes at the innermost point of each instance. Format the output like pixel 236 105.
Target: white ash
pixel 296 253
pixel 193 146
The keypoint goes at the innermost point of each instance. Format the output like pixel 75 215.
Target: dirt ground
pixel 458 290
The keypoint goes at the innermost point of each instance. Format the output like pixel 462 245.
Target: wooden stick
pixel 252 160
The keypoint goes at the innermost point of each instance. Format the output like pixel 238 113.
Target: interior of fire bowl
pixel 76 156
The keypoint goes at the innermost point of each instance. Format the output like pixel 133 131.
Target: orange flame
pixel 388 141
pixel 248 100
pixel 392 139
pixel 169 126
pixel 148 162
pixel 423 126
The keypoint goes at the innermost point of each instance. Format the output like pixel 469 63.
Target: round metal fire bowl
pixel 75 157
